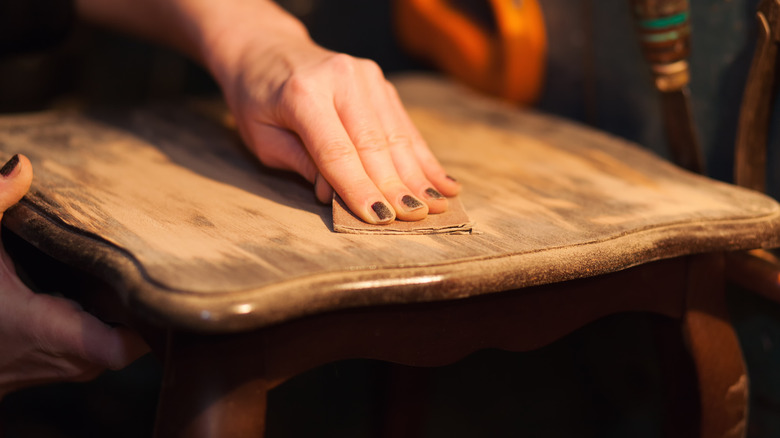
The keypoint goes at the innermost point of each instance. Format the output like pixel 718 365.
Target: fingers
pixel 15 179
pixel 398 121
pixel 287 153
pixel 336 121
pixel 44 338
pixel 322 189
pixel 369 135
pixel 318 124
pixel 402 138
pixel 281 149
pixel 109 347
pixel 63 330
pixel 360 141
pixel 49 339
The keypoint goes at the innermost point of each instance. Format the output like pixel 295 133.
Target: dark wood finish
pixel 757 271
pixel 753 128
pixel 211 375
pixel 680 391
pixel 220 370
pixel 723 380
pixel 213 387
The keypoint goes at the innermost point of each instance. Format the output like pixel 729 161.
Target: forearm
pixel 213 33
pixel 157 20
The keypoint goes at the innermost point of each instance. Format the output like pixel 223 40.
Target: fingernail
pixel 9 166
pixel 433 193
pixel 451 179
pixel 411 202
pixel 382 211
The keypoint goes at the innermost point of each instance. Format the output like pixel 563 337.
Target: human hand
pixel 43 338
pixel 330 117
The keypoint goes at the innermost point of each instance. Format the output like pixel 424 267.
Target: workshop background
pixel 602 381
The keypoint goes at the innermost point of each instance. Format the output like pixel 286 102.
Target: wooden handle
pixel 757 102
pixel 664 34
pixel 664 30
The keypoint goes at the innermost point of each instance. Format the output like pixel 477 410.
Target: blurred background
pixel 602 381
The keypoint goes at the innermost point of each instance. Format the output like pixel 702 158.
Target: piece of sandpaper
pixel 453 221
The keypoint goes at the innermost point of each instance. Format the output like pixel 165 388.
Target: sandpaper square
pixel 453 221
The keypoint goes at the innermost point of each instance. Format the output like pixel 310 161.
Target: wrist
pixel 252 28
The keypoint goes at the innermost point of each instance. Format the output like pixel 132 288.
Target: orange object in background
pixel 496 46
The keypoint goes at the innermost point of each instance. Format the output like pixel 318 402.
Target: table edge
pixel 234 311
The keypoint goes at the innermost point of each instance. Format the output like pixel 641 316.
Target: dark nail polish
pixel 411 202
pixel 382 211
pixel 451 179
pixel 433 193
pixel 9 166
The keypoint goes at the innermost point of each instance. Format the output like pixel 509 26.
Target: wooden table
pixel 234 275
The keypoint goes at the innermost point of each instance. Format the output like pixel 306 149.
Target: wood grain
pixel 195 234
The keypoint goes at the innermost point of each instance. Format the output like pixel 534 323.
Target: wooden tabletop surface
pixel 169 208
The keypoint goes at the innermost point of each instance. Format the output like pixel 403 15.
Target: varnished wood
pixel 212 372
pixel 757 271
pixel 757 99
pixel 723 379
pixel 435 334
pixel 196 235
pixel 680 388
pixel 212 388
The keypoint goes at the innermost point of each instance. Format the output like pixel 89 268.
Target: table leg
pixel 723 380
pixel 680 389
pixel 211 389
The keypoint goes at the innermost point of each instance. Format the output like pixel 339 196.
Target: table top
pixel 169 208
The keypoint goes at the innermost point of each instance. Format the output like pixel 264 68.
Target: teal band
pixel 663 22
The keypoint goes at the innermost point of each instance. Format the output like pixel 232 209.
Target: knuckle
pixel 64 369
pixel 77 373
pixel 113 358
pixel 343 63
pixel 399 141
pixel 370 141
pixel 297 90
pixel 390 182
pixel 371 67
pixel 334 153
pixel 298 84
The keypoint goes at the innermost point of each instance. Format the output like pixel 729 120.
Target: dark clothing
pixel 28 25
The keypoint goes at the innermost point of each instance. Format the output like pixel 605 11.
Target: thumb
pixel 15 179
